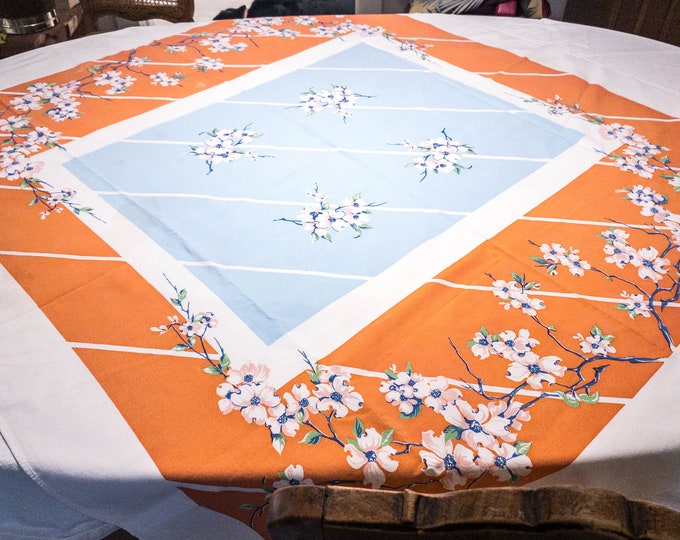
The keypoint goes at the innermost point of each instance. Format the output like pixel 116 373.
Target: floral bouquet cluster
pixel 322 217
pixel 339 99
pixel 438 155
pixel 224 145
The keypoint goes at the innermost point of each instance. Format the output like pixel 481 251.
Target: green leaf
pixel 192 341
pixel 355 444
pixel 522 447
pixel 453 432
pixel 409 368
pixel 590 399
pixel 313 377
pixel 569 400
pixel 282 476
pixel 596 331
pixel 391 374
pixel 386 437
pixel 34 202
pixel 225 362
pixel 212 370
pixel 516 277
pixel 182 294
pixel 539 260
pixel 416 411
pixel 358 429
pixel 180 347
pixel 483 331
pixel 313 437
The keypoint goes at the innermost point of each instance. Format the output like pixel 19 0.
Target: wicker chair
pixel 136 10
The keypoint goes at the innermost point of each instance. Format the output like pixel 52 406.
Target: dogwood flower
pixel 506 289
pixel 338 396
pixel 440 394
pixel 616 131
pixel 528 305
pixel 26 103
pixel 405 390
pixel 573 262
pixel 650 265
pixel 249 373
pixel 619 253
pixel 301 402
pixel 535 370
pixel 370 454
pixel 254 402
pixel 481 345
pixel 514 413
pixel 635 305
pixel 293 475
pixel 191 328
pixel 457 464
pixel 504 462
pixel 225 391
pixel 207 64
pixel 595 344
pixel 281 421
pixel 512 345
pixel 477 427
pixel 553 253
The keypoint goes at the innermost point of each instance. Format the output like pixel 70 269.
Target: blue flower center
pixel 282 419
pixel 534 368
pixel 436 393
pixel 248 378
pixel 336 396
pixel 254 400
pixel 475 426
pixel 449 462
pixel 304 402
pixel 371 456
pixel 294 482
pixel 500 462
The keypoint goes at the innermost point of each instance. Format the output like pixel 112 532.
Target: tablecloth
pixel 425 252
